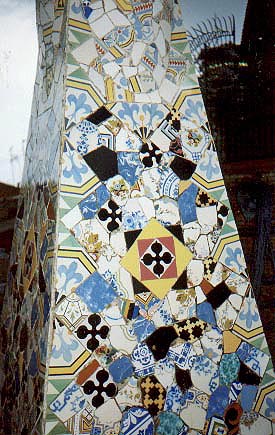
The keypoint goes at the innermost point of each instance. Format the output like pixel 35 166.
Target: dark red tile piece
pixel 103 162
pixel 99 116
pixel 160 340
pixel 247 376
pixel 183 168
pixel 183 379
pixel 218 295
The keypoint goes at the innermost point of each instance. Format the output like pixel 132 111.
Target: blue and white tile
pixel 70 273
pixel 69 402
pixel 175 399
pixel 150 182
pixel 126 140
pixel 232 257
pixel 249 317
pixel 162 315
pixel 133 216
pixel 167 211
pixel 96 293
pixel 165 372
pixel 65 347
pixel 205 374
pixel 183 355
pixel 212 343
pixel 83 137
pixel 135 421
pixel 143 360
pixel 257 361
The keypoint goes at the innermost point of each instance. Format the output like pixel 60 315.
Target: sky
pixel 18 55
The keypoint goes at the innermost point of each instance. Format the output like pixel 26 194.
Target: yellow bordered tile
pixel 156 258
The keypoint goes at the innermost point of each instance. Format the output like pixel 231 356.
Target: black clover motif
pixel 110 214
pixel 173 119
pixel 82 332
pixel 150 155
pixel 155 262
pixel 90 387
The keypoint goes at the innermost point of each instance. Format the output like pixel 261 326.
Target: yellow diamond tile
pixel 131 262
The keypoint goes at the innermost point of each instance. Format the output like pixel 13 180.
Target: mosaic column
pixel 127 265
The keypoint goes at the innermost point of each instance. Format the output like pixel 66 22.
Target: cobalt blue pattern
pixel 205 312
pixel 186 203
pixel 90 205
pixel 129 166
pixel 96 293
pixel 137 421
pixel 121 369
pixel 143 328
pixel 218 402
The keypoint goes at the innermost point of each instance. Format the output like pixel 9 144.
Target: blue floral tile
pixel 169 184
pixel 137 421
pixel 121 369
pixel 96 293
pixel 257 361
pixel 205 374
pixel 68 402
pixel 175 400
pixel 129 166
pixel 143 360
pixel 143 328
pixel 170 423
pixel 218 402
pixel 90 205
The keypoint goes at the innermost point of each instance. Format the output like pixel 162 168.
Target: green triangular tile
pixel 217 194
pixel 72 200
pixel 60 384
pixel 59 429
pixel 72 60
pixel 267 379
pixel 70 242
pixel 80 74
pixel 80 36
